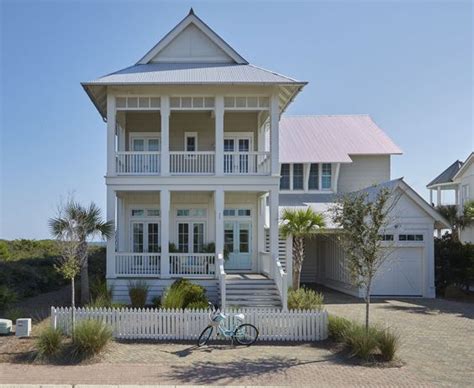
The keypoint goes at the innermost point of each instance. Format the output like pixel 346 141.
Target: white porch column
pixel 165 233
pixel 110 215
pixel 219 135
pixel 219 227
pixel 261 228
pixel 120 244
pixel 438 196
pixel 456 196
pixel 165 136
pixel 111 129
pixel 274 133
pixel 273 228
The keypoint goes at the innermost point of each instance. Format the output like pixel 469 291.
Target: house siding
pixel 364 171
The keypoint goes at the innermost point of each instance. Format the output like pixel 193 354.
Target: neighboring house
pixel 458 177
pixel 200 162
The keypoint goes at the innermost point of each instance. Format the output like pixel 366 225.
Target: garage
pixel 401 274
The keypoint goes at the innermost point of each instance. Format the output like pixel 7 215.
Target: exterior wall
pixel 467 179
pixel 181 122
pixel 363 172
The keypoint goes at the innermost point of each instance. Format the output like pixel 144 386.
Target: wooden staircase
pixel 251 290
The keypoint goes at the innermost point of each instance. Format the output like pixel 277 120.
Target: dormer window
pixel 326 176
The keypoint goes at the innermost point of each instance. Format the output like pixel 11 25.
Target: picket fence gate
pixel 177 324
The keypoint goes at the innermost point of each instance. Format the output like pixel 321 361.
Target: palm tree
pixel 458 221
pixel 85 222
pixel 300 224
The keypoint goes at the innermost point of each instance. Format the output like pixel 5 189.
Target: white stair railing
pixel 221 278
pixel 281 280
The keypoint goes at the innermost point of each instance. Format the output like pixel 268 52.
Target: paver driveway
pixel 437 335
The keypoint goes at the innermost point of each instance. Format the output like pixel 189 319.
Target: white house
pixel 200 161
pixel 458 177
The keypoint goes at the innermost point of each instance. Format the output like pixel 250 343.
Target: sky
pixel 406 63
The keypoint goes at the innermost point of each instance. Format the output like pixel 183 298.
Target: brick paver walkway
pixel 437 335
pixel 438 345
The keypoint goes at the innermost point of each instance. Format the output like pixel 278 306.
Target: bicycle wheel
pixel 205 335
pixel 246 334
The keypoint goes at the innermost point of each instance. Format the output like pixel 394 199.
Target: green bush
pixel 7 297
pixel 49 342
pixel 90 337
pixel 101 295
pixel 337 327
pixel 361 343
pixel 388 344
pixel 305 299
pixel 184 294
pixel 138 292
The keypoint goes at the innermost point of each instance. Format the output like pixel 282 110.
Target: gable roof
pixel 324 202
pixel 216 64
pixel 191 20
pixel 447 176
pixel 332 139
pixel 465 166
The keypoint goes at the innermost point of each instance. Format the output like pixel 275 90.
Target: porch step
pixel 257 292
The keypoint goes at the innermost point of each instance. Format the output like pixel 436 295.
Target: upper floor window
pixel 298 176
pixel 326 176
pixel 190 140
pixel 285 177
pixel 313 181
pixel 464 194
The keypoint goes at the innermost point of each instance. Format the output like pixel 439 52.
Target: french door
pixel 191 237
pixel 238 242
pixel 145 237
pixel 147 159
pixel 236 157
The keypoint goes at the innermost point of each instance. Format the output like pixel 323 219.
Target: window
pixel 237 212
pixel 183 237
pixel 285 177
pixel 137 237
pixel 298 176
pixel 410 237
pixel 145 212
pixel 386 237
pixel 191 242
pixel 313 181
pixel 198 237
pixel 190 142
pixel 191 213
pixel 326 176
pixel 229 212
pixel 244 212
pixel 153 236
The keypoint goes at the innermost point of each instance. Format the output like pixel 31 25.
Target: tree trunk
pixel 73 307
pixel 85 295
pixel 298 256
pixel 367 307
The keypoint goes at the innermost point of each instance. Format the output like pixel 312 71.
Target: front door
pixel 237 240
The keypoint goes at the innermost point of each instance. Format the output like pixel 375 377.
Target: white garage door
pixel 401 274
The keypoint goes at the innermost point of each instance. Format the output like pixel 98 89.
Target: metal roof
pixel 193 73
pixel 447 175
pixel 331 139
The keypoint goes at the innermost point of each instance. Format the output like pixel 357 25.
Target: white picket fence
pixel 128 323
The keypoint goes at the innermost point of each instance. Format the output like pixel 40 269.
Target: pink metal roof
pixel 331 138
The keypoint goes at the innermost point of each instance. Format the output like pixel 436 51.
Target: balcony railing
pixel 137 264
pixel 193 264
pixel 192 163
pixel 247 163
pixel 135 163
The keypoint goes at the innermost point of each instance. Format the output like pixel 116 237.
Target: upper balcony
pixel 189 136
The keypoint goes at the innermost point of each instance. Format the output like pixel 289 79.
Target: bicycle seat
pixel 240 316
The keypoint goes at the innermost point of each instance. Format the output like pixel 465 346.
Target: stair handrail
pixel 221 278
pixel 281 280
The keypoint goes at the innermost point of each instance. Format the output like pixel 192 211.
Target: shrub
pixel 49 342
pixel 101 295
pixel 305 299
pixel 14 313
pixel 156 302
pixel 183 294
pixel 7 297
pixel 138 292
pixel 388 344
pixel 361 343
pixel 338 327
pixel 90 337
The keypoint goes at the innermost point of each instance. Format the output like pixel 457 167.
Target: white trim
pixel 145 136
pixel 465 165
pixel 192 19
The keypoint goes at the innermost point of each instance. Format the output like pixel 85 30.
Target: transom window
pixel 237 212
pixel 145 212
pixel 386 237
pixel 196 212
pixel 410 237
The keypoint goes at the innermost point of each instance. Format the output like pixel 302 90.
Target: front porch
pixel 205 236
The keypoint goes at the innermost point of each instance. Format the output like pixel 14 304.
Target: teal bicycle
pixel 243 333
